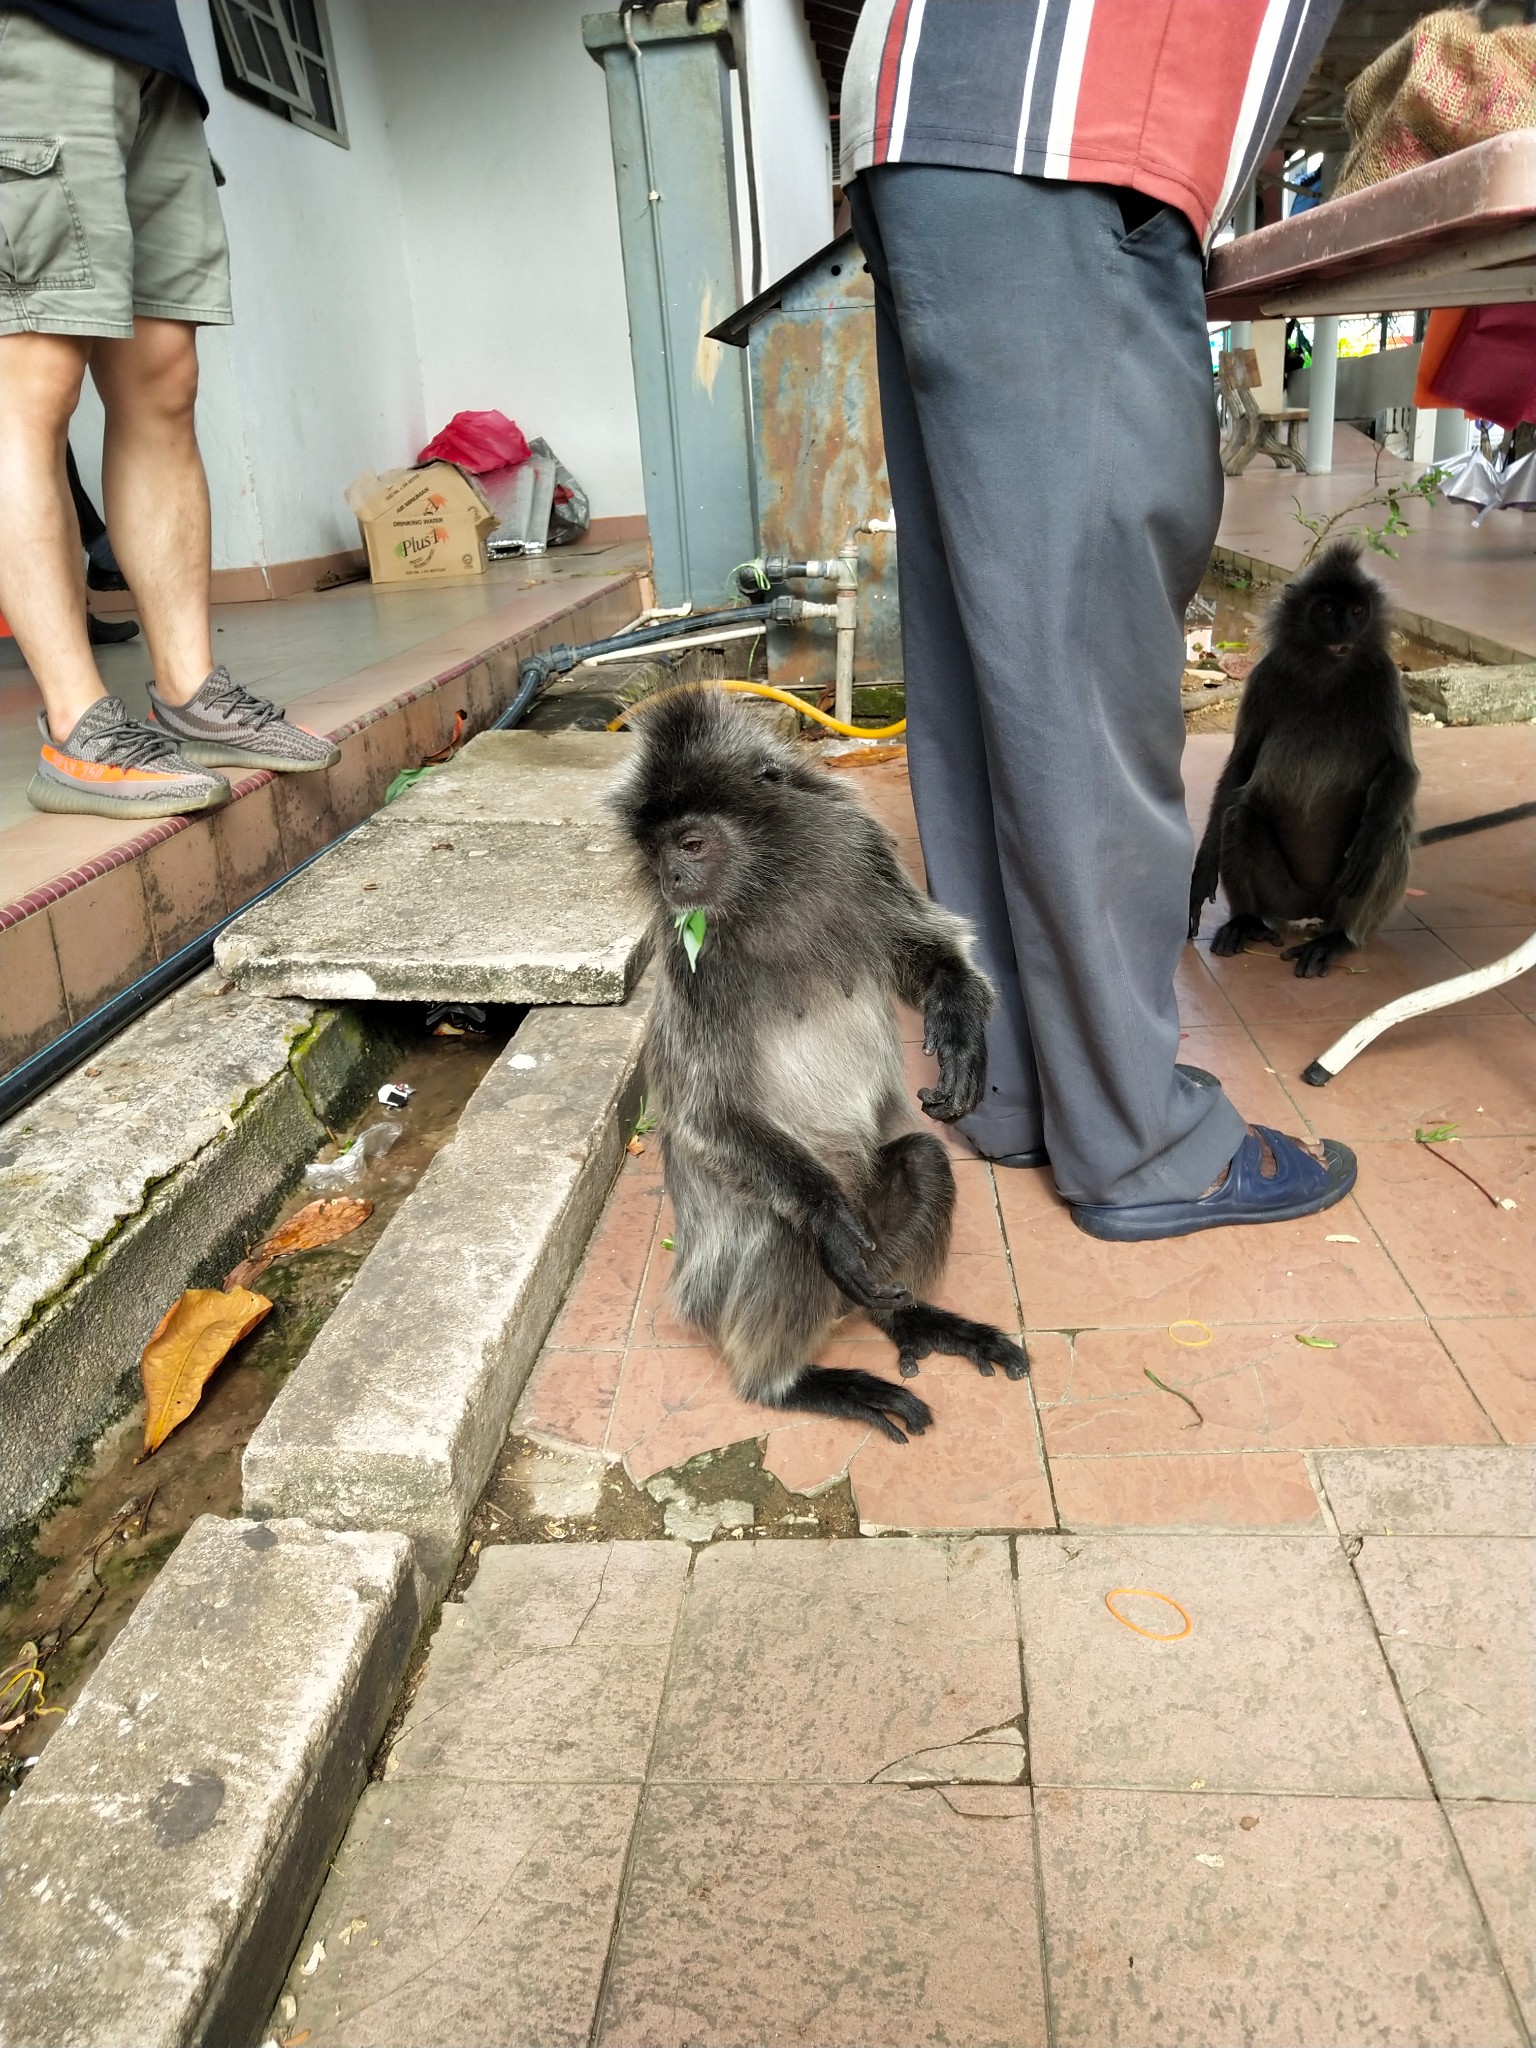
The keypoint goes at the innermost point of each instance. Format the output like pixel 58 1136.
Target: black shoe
pixel 98 578
pixel 110 632
pixel 1201 1077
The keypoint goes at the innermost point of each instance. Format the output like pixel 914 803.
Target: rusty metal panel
pixel 821 459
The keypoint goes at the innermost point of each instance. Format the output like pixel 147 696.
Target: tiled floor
pixel 930 1790
pixel 1423 1288
pixel 1478 579
pixel 1155 1730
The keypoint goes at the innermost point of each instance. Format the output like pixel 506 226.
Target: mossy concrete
pixel 160 1862
pixel 1460 695
pixel 141 1174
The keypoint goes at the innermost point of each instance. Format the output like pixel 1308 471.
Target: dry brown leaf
pixel 864 757
pixel 195 1333
pixel 315 1224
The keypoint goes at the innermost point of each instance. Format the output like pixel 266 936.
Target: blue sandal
pixel 1272 1179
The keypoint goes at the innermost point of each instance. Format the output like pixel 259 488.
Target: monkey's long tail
pixel 1463 826
pixel 854 732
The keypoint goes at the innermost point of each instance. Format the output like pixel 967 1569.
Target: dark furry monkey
pixel 801 1187
pixel 1313 816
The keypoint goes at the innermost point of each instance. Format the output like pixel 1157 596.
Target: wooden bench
pixel 1255 429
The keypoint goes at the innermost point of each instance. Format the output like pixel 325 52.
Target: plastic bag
pixel 478 441
pixel 571 512
pixel 352 1164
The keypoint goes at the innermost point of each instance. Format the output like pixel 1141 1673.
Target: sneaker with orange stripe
pixel 113 767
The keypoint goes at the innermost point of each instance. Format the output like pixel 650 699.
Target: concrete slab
pixel 395 1417
pixel 828 1916
pixel 160 1862
pixel 1278 1685
pixel 1454 1614
pixel 483 912
pixel 517 778
pixel 1472 1490
pixel 832 1660
pixel 550 1669
pixel 476 1914
pixel 1178 1921
pixel 1459 695
pixel 1499 1845
pixel 140 1174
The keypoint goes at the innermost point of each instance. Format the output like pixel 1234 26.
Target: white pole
pixel 1242 224
pixel 1320 393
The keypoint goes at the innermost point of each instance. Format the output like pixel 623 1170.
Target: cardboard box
pixel 419 524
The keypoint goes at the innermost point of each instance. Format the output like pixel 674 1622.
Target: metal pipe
pixel 653 201
pixel 847 611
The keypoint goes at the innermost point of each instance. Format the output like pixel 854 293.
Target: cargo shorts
pixel 108 205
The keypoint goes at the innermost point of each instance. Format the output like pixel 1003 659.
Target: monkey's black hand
pixel 962 1056
pixel 843 1245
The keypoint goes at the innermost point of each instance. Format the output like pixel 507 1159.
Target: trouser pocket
pixel 41 239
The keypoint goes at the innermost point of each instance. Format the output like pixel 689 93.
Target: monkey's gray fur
pixel 801 1185
pixel 1313 815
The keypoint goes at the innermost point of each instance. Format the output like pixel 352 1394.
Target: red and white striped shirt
pixel 1179 99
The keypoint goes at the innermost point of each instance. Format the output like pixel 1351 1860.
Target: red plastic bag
pixel 477 442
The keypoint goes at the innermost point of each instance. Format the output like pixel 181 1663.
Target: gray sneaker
pixel 111 766
pixel 224 726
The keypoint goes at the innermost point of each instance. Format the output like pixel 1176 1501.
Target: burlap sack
pixel 1446 84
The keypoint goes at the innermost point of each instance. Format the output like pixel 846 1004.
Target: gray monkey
pixel 801 1186
pixel 1313 815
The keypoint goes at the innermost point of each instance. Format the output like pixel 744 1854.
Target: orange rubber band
pixel 1191 1323
pixel 1146 1593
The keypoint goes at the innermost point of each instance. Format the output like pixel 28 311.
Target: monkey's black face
pixel 694 859
pixel 1337 620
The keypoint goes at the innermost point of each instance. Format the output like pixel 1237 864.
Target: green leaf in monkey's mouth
pixel 691 926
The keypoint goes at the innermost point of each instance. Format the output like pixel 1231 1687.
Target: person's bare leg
pixel 157 494
pixel 42 581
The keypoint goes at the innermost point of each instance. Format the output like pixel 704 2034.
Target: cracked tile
pixel 827 1916
pixel 1499 1844
pixel 551 1667
pixel 1171 1924
pixel 1455 1619
pixel 1476 1490
pixel 476 1914
pixel 1278 1686
pixel 1497 1358
pixel 830 1660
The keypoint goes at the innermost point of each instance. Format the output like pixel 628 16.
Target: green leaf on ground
pixel 1316 1343
pixel 1440 1134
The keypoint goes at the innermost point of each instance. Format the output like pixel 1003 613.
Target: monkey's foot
pixel 1231 937
pixel 919 1331
pixel 1316 955
pixel 860 1397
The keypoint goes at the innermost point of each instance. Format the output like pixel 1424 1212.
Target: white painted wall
pixel 498 122
pixel 791 142
pixel 463 252
pixel 318 378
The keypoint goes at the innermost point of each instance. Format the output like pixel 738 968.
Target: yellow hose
pixel 853 732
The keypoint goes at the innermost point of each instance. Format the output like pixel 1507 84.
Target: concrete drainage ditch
pixel 162 1857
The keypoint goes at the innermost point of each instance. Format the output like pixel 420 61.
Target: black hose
pixel 536 671
pixel 1463 826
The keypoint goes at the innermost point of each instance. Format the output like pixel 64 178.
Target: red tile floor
pixel 1424 1288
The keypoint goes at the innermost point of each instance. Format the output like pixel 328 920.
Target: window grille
pixel 279 53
